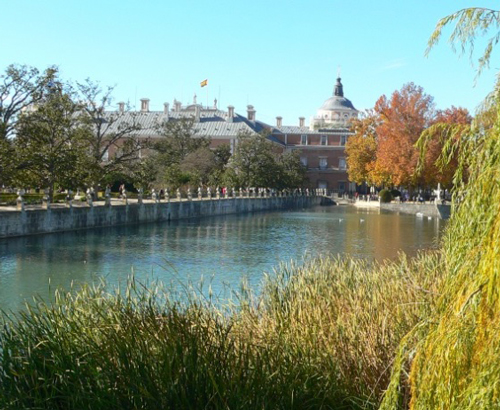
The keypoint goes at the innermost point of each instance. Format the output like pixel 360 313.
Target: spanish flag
pixel 204 83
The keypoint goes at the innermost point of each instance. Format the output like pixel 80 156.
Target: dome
pixel 337 102
pixel 337 111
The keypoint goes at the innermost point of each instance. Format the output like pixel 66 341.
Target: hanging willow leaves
pixel 470 22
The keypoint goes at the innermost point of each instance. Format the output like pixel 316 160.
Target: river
pixel 222 250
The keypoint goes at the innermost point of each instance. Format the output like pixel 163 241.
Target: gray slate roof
pixel 213 122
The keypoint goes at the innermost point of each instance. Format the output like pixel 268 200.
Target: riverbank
pixel 414 208
pixel 59 218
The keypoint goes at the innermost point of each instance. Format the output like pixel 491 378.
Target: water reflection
pixel 224 248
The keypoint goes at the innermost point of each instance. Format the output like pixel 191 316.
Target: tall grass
pixel 322 335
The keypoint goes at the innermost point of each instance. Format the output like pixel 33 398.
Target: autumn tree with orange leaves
pixel 440 145
pixel 361 149
pixel 401 141
pixel 403 118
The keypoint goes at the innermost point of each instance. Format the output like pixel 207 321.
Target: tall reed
pixel 322 335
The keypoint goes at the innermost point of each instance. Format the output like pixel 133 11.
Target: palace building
pixel 321 144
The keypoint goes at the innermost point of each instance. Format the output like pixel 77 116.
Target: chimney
pixel 250 113
pixel 301 122
pixel 230 113
pixel 144 104
pixel 121 106
pixel 278 121
pixel 196 113
pixel 177 106
pixel 165 110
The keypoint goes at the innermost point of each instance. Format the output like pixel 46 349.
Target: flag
pixel 204 83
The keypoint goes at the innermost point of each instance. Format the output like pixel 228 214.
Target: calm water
pixel 223 250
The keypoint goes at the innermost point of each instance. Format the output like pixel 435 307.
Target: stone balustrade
pixel 202 194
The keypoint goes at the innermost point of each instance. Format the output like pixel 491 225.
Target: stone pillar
pixel 20 200
pixel 69 198
pixel 89 197
pixel 200 193
pixel 107 196
pixel 209 193
pixel 46 199
pixel 217 195
pixel 124 196
pixel 78 195
pixel 167 195
pixel 189 195
pixel 233 193
pixel 179 198
pixel 154 196
pixel 140 193
pixel 241 192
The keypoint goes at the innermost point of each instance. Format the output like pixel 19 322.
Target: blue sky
pixel 280 56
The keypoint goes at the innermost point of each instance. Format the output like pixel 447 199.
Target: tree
pixel 403 119
pixel 112 141
pixel 292 171
pixel 178 139
pixel 470 22
pixel 199 164
pixel 20 87
pixel 254 162
pixel 439 146
pixel 171 150
pixel 50 143
pixel 361 151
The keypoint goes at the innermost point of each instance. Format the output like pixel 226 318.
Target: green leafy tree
pixel 292 171
pixel 50 144
pixel 253 163
pixel 200 164
pixel 174 154
pixel 21 86
pixel 222 155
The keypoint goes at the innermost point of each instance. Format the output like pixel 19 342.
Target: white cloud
pixel 394 64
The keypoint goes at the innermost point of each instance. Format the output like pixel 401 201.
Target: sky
pixel 282 57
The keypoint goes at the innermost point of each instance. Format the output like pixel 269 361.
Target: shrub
pixel 385 196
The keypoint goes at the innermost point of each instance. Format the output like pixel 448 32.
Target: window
pixel 324 140
pixel 343 139
pixel 105 156
pixel 342 164
pixel 303 140
pixel 303 160
pixel 323 163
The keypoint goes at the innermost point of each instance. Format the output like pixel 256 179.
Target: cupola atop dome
pixel 339 89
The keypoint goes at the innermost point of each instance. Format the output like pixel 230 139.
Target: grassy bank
pixel 323 335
